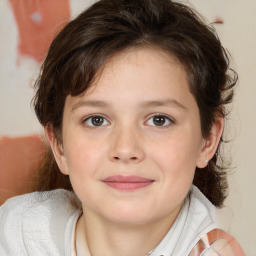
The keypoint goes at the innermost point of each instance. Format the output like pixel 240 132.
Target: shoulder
pixel 35 217
pixel 38 204
pixel 217 242
pixel 31 198
pixel 210 240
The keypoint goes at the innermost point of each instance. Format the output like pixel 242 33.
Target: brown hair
pixel 110 26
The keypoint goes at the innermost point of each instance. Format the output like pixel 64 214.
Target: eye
pixel 95 121
pixel 160 120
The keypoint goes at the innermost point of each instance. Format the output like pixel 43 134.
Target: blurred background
pixel 26 30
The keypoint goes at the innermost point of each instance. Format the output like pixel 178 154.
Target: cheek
pixel 176 159
pixel 82 156
pixel 177 151
pixel 83 159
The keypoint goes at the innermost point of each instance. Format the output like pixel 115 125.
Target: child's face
pixel 126 163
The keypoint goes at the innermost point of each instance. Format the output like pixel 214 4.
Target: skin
pixel 129 141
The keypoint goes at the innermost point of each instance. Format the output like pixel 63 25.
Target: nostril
pixel 131 158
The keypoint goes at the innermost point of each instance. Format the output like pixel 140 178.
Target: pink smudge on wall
pixel 38 22
pixel 19 161
pixel 219 20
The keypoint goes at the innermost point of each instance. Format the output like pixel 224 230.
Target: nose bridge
pixel 126 144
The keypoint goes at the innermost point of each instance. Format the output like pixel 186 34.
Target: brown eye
pixel 159 120
pixel 96 121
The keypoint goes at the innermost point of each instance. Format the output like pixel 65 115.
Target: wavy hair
pixel 108 27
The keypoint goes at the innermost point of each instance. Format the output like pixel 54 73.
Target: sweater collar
pixel 196 218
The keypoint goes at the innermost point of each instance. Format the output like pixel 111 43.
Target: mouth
pixel 127 183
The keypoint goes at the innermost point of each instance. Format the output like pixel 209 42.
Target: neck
pixel 119 239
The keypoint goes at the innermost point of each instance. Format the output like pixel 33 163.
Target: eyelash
pixel 169 119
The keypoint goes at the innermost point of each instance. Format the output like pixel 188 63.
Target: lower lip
pixel 128 186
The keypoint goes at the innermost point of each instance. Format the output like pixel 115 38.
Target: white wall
pixel 238 34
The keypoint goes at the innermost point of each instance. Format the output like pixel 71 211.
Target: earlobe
pixel 57 150
pixel 211 143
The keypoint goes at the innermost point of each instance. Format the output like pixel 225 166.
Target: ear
pixel 210 143
pixel 57 149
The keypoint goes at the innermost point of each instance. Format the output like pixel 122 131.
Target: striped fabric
pixel 217 243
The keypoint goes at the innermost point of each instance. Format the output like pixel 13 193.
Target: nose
pixel 126 146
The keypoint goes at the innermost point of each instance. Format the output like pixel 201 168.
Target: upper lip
pixel 127 179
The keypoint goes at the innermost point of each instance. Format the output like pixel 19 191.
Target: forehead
pixel 141 74
pixel 137 63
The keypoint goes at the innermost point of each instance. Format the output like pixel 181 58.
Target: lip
pixel 127 183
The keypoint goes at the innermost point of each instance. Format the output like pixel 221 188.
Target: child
pixel 132 97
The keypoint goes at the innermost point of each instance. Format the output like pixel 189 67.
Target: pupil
pixel 97 120
pixel 159 120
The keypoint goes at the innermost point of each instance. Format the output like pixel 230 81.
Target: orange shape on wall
pixel 38 22
pixel 20 158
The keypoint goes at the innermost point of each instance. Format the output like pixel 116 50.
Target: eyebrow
pixel 159 103
pixel 90 103
pixel 146 104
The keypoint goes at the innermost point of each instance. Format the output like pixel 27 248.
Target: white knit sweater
pixel 40 224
